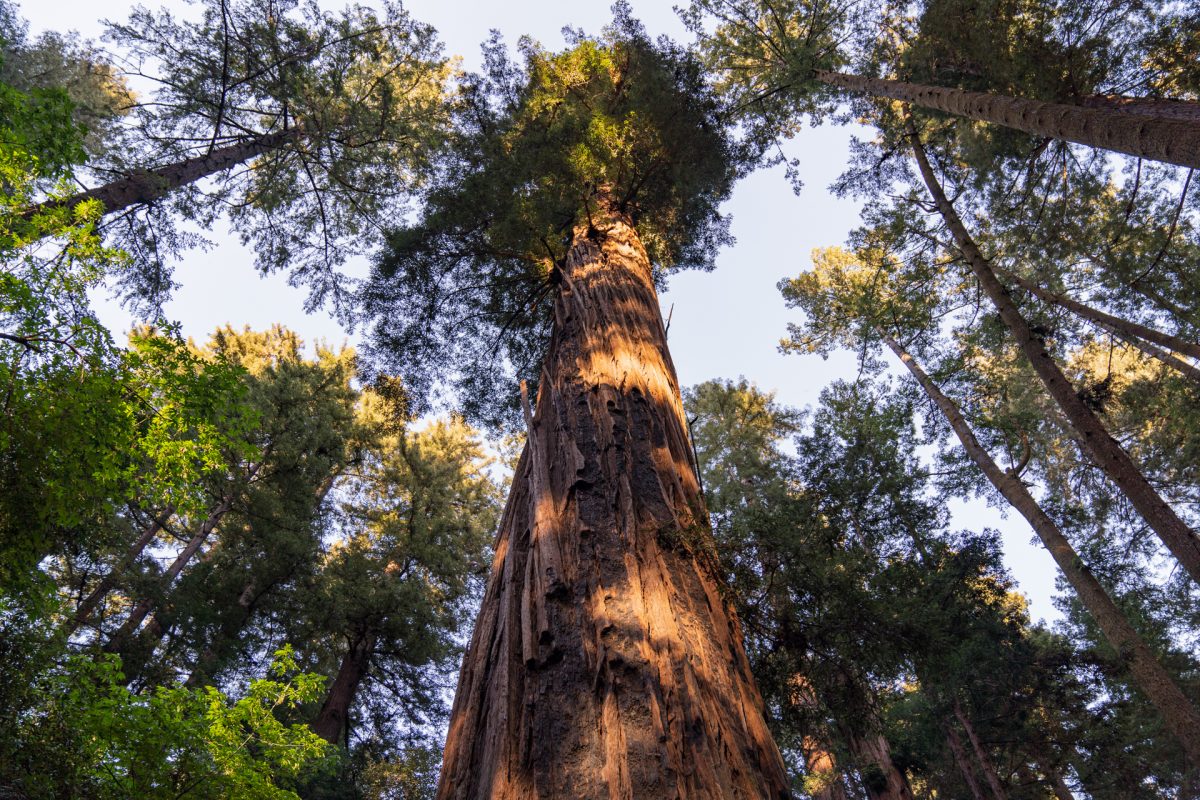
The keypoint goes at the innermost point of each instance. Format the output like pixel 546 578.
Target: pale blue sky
pixel 725 324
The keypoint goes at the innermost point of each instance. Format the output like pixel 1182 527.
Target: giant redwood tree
pixel 605 662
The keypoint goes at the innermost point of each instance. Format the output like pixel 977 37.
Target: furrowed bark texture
pixel 1094 438
pixel 1181 717
pixel 605 663
pixel 1173 141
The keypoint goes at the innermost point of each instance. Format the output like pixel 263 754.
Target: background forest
pixel 955 509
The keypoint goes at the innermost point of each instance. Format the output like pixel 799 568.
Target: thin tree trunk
pixel 1103 450
pixel 120 639
pixel 147 185
pixel 1132 329
pixel 330 723
pixel 210 655
pixel 875 754
pixel 605 662
pixel 963 763
pixel 1172 141
pixel 84 611
pixel 985 763
pixel 1173 361
pixel 1181 717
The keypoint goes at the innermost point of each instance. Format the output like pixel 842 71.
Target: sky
pixel 724 324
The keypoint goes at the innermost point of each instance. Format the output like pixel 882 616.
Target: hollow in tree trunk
pixel 605 662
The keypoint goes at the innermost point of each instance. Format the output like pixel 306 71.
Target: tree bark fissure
pixel 1097 443
pixel 1177 711
pixel 1159 137
pixel 605 663
pixel 882 779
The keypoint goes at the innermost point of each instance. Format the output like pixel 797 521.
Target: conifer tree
pixel 604 661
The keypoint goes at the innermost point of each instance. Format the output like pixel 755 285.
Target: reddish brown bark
pixel 1177 711
pixel 985 762
pixel 605 663
pixel 330 723
pixel 1094 438
pixel 881 778
pixel 962 762
pixel 1160 107
pixel 1160 138
pixel 147 185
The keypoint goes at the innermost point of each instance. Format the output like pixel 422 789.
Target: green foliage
pixel 357 95
pixel 81 733
pixel 615 122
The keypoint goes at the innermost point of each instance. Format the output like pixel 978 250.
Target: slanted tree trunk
pixel 144 186
pixel 1123 326
pixel 1097 443
pixel 330 723
pixel 985 763
pixel 605 662
pixel 1180 715
pixel 962 762
pixel 120 640
pixel 1173 361
pixel 85 609
pixel 881 778
pixel 1159 138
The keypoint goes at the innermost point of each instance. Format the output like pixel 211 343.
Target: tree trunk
pixel 330 723
pixel 87 606
pixel 963 763
pixel 985 763
pixel 1124 326
pixel 1100 447
pixel 1160 107
pixel 144 186
pixel 1159 138
pixel 883 781
pixel 824 779
pixel 119 640
pixel 605 662
pixel 1181 717
pixel 1173 361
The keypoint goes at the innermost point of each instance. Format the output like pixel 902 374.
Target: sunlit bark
pixel 605 662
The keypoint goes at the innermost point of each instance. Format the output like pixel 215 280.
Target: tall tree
pixel 605 661
pixel 312 127
pixel 781 58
